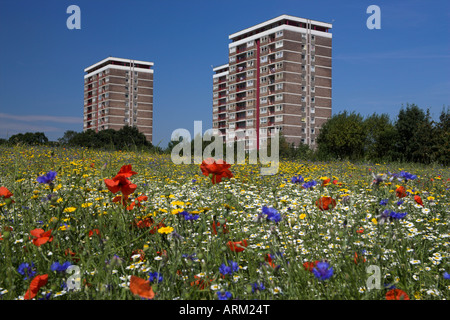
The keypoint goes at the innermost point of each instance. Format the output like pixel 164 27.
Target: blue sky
pixel 41 74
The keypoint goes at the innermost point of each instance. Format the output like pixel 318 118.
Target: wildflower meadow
pixel 78 223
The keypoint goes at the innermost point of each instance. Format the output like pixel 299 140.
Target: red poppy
pixel 396 294
pixel 216 224
pixel 418 199
pixel 270 263
pixel 337 182
pixel 149 223
pixel 326 203
pixel 37 282
pixel 126 171
pixel 326 182
pixel 216 169
pixel 400 192
pixel 41 236
pixel 96 231
pixel 137 202
pixel 141 287
pixel 5 193
pixel 309 266
pixel 200 283
pixel 69 252
pixel 360 230
pixel 358 259
pixel 238 246
pixel 120 183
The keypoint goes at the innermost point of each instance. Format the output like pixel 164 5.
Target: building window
pixel 263 59
pixel 279 55
pixel 278 97
pixel 279 107
pixel 279 86
pixel 279 44
pixel 278 118
pixel 264 110
pixel 232 49
pixel 250 43
pixel 279 34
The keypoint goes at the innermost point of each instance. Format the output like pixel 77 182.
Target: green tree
pixel 29 138
pixel 343 136
pixel 413 131
pixel 380 137
pixel 441 139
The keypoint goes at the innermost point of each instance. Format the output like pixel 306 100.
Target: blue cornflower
pixel 27 270
pixel 155 276
pixel 257 287
pixel 272 214
pixel 399 202
pixel 322 270
pixel 309 184
pixel 384 202
pixel 46 296
pixel 229 269
pixel 191 216
pixel 446 275
pixel 407 176
pixel 397 215
pixel 56 266
pixel 224 295
pixel 47 178
pixel 298 179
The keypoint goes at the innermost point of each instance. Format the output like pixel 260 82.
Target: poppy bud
pixel 228 196
pixel 8 201
pixel 223 248
pixel 83 181
pixel 200 256
pixel 6 235
pixel 222 221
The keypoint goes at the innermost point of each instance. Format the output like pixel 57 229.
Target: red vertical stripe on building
pixel 98 88
pixel 257 92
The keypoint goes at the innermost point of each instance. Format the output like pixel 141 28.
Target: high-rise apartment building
pixel 119 92
pixel 278 78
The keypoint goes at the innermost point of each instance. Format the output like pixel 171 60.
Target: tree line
pixel 412 137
